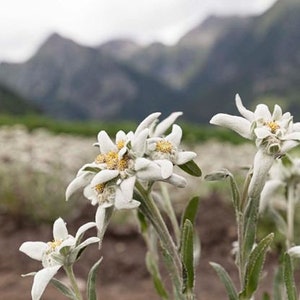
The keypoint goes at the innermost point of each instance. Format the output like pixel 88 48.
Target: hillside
pixel 174 65
pixel 257 57
pixel 71 81
pixel 260 61
pixel 12 103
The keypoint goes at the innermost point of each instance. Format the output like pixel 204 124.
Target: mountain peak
pixel 208 31
pixel 120 48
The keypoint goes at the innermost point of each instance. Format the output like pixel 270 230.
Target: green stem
pixel 150 210
pixel 71 276
pixel 290 215
pixel 170 211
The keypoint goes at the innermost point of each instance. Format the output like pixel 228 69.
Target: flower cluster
pixel 145 155
pixel 62 251
pixel 274 134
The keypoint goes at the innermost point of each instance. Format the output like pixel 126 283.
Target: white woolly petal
pixel 238 124
pixel 60 231
pixel 82 229
pixel 262 132
pixel 249 115
pixel 69 242
pixel 100 218
pixel 124 193
pixel 294 251
pixel 147 170
pixel 124 200
pixel 177 180
pixel 41 280
pixel 261 166
pixel 34 250
pixel 89 241
pixel 296 126
pixel 175 136
pixel 121 136
pixel 292 136
pixel 185 156
pixel 162 127
pixel 288 145
pixel 147 122
pixel 90 194
pixel 139 142
pixel 77 184
pixel 105 143
pixel 277 113
pixel 104 176
pixel 262 112
pixel 141 163
pixel 166 167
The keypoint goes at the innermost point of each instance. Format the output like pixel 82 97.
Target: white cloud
pixel 24 24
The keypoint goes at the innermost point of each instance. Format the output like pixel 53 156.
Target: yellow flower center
pixel 273 126
pixel 100 159
pixel 164 146
pixel 112 161
pixel 120 144
pixel 54 244
pixel 99 188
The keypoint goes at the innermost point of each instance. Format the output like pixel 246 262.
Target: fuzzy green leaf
pixel 236 199
pixel 288 276
pixel 191 211
pixel 91 282
pixel 187 255
pixel 226 280
pixel 191 168
pixel 222 175
pixel 250 225
pixel 255 265
pixel 217 175
pixel 142 221
pixel 65 290
pixel 92 169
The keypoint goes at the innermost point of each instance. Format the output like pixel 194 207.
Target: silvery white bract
pixel 294 251
pixel 274 134
pixel 63 250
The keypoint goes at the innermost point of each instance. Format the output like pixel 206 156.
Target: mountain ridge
pixel 256 56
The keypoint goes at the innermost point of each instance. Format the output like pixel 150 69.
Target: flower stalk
pixel 151 211
pixel 290 214
pixel 70 273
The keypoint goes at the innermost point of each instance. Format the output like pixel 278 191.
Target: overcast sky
pixel 25 24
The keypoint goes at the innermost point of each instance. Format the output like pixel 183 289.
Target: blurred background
pixel 71 68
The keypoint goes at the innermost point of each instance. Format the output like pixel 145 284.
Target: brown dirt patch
pixel 122 274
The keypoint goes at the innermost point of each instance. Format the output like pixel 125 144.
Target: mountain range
pixel 257 57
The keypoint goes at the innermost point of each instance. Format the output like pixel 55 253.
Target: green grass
pixel 192 133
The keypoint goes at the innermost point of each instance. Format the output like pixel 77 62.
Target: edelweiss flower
pixel 62 251
pixel 168 148
pixel 274 135
pixel 109 181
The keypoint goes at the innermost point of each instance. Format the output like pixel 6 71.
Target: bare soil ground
pixel 122 274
